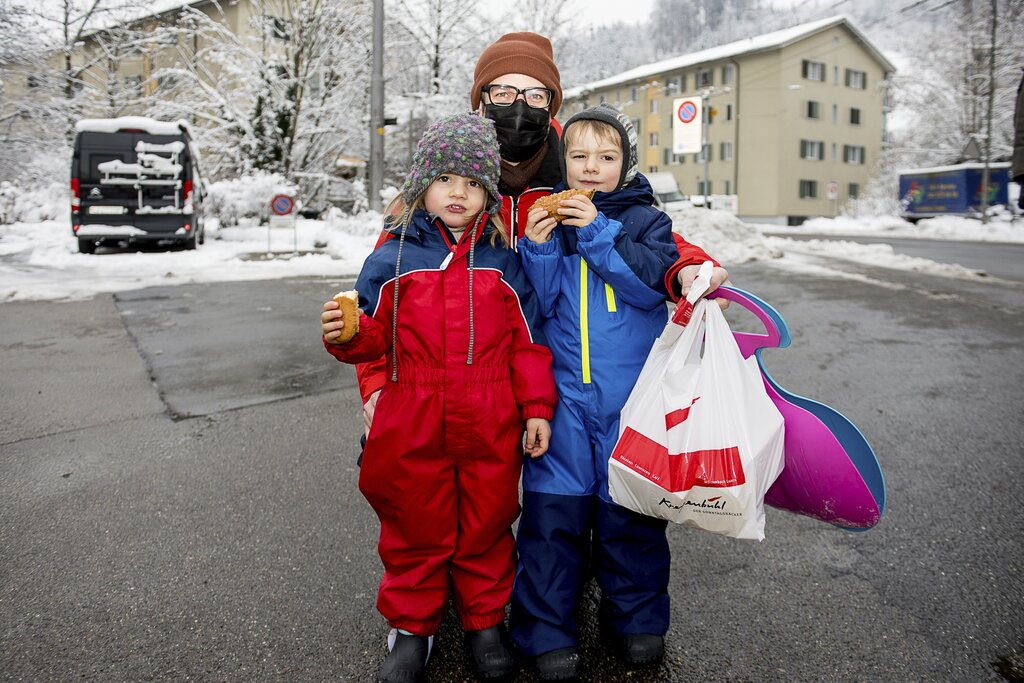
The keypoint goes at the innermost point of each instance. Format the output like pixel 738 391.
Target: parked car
pixel 667 195
pixel 135 179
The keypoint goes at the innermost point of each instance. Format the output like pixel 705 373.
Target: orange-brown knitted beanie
pixel 518 53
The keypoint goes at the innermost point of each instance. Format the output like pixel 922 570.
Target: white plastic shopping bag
pixel 700 441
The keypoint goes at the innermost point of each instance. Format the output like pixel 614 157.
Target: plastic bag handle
pixel 777 331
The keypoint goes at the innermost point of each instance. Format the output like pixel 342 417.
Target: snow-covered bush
pixel 47 203
pixel 248 197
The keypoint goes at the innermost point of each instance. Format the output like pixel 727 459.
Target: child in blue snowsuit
pixel 599 276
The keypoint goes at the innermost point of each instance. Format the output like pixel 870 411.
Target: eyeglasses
pixel 506 95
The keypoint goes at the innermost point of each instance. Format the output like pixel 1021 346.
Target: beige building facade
pixel 795 118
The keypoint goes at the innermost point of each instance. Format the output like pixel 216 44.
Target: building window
pixel 856 79
pixel 728 74
pixel 854 116
pixel 654 106
pixel 632 94
pixel 853 154
pixel 672 85
pixel 728 112
pixel 133 85
pixel 636 126
pixel 600 99
pixel 812 149
pixel 665 156
pixel 728 187
pixel 835 75
pixel 700 187
pixel 808 189
pixel 652 169
pixel 682 83
pixel 813 109
pixel 835 113
pixel 725 151
pixel 853 190
pixel 813 71
pixel 834 153
pixel 654 139
pixel 166 82
pixel 705 78
pixel 277 27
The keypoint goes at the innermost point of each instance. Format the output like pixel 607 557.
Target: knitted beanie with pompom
pixel 460 144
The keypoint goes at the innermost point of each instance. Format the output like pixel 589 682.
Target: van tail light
pixel 188 227
pixel 186 199
pixel 76 195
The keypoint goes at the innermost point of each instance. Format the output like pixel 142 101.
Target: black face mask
pixel 521 129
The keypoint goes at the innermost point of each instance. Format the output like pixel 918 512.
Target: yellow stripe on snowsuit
pixel 584 334
pixel 609 294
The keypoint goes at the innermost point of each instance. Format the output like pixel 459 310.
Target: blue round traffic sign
pixel 282 205
pixel 687 111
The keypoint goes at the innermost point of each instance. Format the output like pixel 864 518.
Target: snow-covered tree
pixel 45 88
pixel 287 97
pixel 941 90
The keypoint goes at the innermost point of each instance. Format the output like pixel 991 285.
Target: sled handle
pixel 778 332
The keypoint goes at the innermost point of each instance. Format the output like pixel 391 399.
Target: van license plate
pixel 107 210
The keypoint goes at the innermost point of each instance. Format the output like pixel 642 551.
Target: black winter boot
pixel 407 661
pixel 641 649
pixel 491 652
pixel 558 665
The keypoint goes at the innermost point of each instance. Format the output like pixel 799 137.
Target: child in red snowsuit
pixel 446 303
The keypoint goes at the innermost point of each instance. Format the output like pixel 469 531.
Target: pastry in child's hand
pixel 348 303
pixel 550 203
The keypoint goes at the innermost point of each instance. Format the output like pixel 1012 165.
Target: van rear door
pixel 132 179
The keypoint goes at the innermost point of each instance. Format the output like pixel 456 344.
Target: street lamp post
pixel 988 124
pixel 376 179
pixel 704 95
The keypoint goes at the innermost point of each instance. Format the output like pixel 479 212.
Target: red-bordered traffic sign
pixel 282 205
pixel 687 111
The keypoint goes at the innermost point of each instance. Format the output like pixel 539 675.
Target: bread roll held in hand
pixel 551 205
pixel 348 303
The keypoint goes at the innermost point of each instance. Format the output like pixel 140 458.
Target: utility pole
pixel 376 179
pixel 705 112
pixel 988 122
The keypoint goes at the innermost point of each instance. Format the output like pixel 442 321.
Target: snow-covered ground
pixel 40 260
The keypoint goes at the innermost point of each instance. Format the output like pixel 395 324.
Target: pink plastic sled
pixel 831 473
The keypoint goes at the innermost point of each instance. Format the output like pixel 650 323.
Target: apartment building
pixel 795 118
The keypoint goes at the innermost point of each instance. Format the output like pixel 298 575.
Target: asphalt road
pixel 178 496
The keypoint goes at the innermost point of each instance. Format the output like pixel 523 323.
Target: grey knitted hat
pixel 462 144
pixel 620 122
